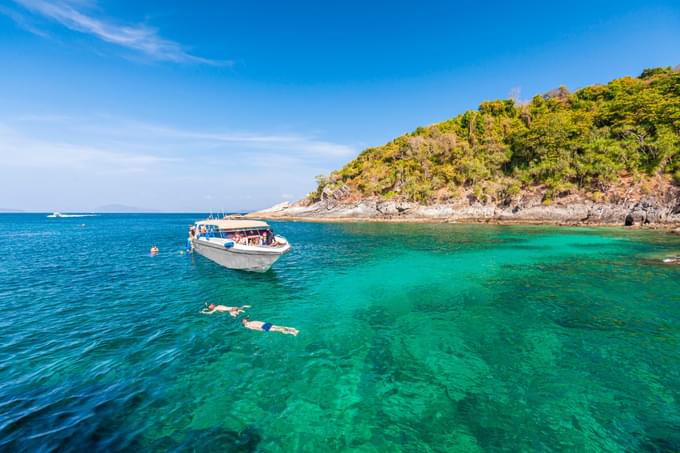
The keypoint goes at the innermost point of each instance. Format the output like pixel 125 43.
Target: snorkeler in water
pixel 268 327
pixel 233 311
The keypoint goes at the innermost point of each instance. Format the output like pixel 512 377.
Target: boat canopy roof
pixel 230 224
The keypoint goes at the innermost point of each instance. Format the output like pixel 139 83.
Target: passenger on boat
pixel 268 327
pixel 233 311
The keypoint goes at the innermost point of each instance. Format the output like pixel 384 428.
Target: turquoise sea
pixel 414 338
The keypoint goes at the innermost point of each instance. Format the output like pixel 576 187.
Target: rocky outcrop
pixel 334 205
pixel 334 195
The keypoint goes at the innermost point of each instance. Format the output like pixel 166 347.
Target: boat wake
pixel 58 215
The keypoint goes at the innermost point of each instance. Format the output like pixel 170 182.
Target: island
pixel 604 154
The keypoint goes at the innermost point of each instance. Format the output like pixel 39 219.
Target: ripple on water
pixel 413 338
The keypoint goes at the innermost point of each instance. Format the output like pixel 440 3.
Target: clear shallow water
pixel 413 338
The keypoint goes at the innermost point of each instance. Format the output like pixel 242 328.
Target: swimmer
pixel 233 311
pixel 154 250
pixel 267 327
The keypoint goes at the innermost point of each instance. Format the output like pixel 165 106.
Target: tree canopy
pixel 560 141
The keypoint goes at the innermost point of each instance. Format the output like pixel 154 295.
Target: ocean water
pixel 414 338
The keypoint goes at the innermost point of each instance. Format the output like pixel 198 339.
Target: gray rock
pixel 663 209
pixel 336 194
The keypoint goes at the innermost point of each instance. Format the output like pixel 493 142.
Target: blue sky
pixel 199 106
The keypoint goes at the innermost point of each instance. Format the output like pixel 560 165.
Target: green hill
pixel 558 143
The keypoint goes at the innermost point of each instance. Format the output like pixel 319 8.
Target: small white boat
pixel 249 245
pixel 59 215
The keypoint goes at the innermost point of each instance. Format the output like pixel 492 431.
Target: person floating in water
pixel 154 250
pixel 233 311
pixel 267 327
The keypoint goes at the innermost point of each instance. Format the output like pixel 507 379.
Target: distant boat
pixel 59 215
pixel 239 244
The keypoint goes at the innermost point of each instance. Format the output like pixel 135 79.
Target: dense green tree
pixel 559 142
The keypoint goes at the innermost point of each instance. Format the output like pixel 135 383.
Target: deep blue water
pixel 413 338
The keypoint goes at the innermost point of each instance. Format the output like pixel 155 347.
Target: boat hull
pixel 238 258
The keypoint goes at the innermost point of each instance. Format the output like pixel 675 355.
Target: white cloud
pixel 293 143
pixel 23 22
pixel 140 38
pixel 143 135
pixel 18 150
pixel 54 157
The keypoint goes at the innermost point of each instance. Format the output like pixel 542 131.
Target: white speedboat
pixel 238 244
pixel 59 215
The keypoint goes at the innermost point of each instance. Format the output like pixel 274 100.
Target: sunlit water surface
pixel 413 338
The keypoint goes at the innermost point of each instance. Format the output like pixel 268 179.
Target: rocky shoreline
pixel 659 211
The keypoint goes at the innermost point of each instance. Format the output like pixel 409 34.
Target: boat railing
pixel 252 239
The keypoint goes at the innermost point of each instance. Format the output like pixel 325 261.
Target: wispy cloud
pixel 301 145
pixel 140 38
pixel 140 135
pixel 20 150
pixel 54 157
pixel 23 22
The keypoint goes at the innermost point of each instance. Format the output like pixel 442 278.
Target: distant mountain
pixel 121 208
pixel 10 210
